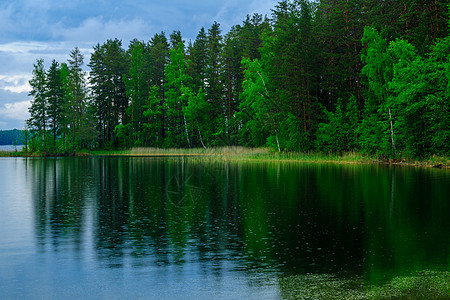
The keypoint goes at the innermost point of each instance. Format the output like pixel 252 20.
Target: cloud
pixel 15 83
pixel 97 30
pixel 15 111
pixel 13 108
pixel 29 47
pixel 17 58
pixel 42 49
pixel 24 19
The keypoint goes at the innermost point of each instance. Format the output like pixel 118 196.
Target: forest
pixel 10 137
pixel 329 76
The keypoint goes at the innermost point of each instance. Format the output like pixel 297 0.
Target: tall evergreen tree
pixel 137 92
pixel 55 98
pixel 232 78
pixel 198 58
pixel 108 66
pixel 175 39
pixel 214 87
pixel 38 109
pixel 78 111
pixel 251 35
pixel 287 61
pixel 98 80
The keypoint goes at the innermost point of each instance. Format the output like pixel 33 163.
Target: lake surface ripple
pixel 180 228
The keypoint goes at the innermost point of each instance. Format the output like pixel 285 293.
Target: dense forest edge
pixel 329 77
pixel 11 137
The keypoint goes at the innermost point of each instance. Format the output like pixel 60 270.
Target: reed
pixel 239 153
pixel 231 151
pixel 12 153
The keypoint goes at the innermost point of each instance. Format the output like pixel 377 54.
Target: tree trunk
pixel 187 132
pixel 200 135
pixel 392 132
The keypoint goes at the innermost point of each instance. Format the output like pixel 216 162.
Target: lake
pixel 187 228
pixel 11 147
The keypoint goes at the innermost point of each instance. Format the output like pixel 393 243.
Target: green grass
pixel 12 153
pixel 238 153
pixel 223 152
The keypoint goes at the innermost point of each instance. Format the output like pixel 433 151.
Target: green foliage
pixel 60 109
pixel 109 66
pixel 153 112
pixel 122 133
pixel 256 106
pixel 408 91
pixel 38 109
pixel 137 92
pixel 313 77
pixel 339 132
pixel 196 112
pixel 177 97
pixel 290 136
pixel 419 88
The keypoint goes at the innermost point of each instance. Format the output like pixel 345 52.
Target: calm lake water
pixel 11 147
pixel 179 228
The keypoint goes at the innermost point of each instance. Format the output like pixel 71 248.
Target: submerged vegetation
pixel 421 285
pixel 357 76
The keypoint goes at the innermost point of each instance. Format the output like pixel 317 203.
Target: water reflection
pixel 279 219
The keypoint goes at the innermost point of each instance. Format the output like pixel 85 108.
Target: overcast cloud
pixel 50 29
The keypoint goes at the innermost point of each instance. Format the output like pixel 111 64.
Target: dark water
pixel 174 228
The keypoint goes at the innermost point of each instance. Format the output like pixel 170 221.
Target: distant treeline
pixel 368 75
pixel 10 137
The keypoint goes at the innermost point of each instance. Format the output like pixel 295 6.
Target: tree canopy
pixel 324 75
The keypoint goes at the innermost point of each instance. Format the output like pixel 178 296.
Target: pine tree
pixel 66 91
pixel 38 109
pixel 78 110
pixel 232 78
pixel 287 61
pixel 109 64
pixel 137 92
pixel 55 99
pixel 214 87
pixel 198 58
pixel 251 33
pixel 175 39
pixel 100 92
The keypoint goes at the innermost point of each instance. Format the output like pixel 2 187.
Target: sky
pixel 50 29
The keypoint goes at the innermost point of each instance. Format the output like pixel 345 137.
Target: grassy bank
pixel 267 154
pixel 257 154
pixel 39 154
pixel 12 154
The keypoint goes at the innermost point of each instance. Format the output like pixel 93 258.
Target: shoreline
pixel 255 154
